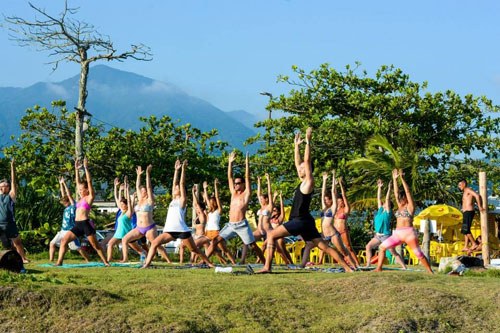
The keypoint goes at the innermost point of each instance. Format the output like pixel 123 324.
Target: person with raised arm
pixel 301 221
pixel 214 209
pixel 175 225
pixel 404 233
pixel 83 225
pixel 8 227
pixel 124 226
pixel 241 193
pixel 382 225
pixel 329 233
pixel 277 218
pixel 144 211
pixel 340 223
pixel 68 223
pixel 264 213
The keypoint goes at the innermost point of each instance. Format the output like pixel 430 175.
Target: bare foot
pixel 465 249
pixel 26 261
pixel 377 270
pixel 123 261
pixel 263 271
pixel 107 264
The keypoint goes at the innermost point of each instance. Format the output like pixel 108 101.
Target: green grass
pixel 200 300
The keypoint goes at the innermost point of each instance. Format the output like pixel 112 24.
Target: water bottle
pixel 143 258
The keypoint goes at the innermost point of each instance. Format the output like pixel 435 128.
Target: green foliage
pixel 37 208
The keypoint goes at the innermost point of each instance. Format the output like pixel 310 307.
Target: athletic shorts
pixel 212 234
pixel 468 216
pixel 305 227
pixel 83 228
pixel 241 229
pixel 181 235
pixel 74 245
pixel 381 237
pixel 9 229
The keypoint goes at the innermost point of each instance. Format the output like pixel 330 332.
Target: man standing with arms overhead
pixel 241 193
pixel 8 227
pixel 468 213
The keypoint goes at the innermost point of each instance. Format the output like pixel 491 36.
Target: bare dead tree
pixel 70 40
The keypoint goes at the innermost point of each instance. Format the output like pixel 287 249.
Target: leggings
pixel 406 235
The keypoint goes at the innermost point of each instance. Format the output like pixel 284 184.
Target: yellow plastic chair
pixel 412 258
pixel 362 256
pixel 296 252
pixel 314 255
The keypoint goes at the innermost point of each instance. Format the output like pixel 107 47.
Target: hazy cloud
pixel 58 90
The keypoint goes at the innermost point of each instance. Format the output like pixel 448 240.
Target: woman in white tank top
pixel 214 209
pixel 175 226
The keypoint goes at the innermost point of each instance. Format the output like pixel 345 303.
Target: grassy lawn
pixel 121 299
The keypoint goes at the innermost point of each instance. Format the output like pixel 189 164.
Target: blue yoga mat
pixel 90 264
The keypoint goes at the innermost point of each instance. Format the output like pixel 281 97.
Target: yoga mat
pixel 393 269
pixel 90 264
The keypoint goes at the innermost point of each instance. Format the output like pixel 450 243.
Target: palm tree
pixel 381 157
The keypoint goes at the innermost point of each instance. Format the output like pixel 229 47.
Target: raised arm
pixel 269 192
pixel 13 180
pixel 379 193
pixel 116 183
pixel 334 193
pixel 204 194
pixel 130 199
pixel 67 192
pixel 231 159
pixel 248 185
pixel 61 188
pixel 411 204
pixel 216 187
pixel 149 187
pixel 196 204
pixel 347 208
pixel 395 185
pixel 258 189
pixel 323 190
pixel 182 184
pixel 388 194
pixel 177 167
pixel 282 209
pixel 138 182
pixel 298 159
pixel 91 195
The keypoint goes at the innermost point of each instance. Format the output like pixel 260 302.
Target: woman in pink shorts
pixel 404 233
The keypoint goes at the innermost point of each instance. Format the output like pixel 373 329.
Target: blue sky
pixel 226 52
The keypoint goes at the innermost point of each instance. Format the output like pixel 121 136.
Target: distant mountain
pixel 120 98
pixel 246 118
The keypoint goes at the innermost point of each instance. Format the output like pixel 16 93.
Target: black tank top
pixel 300 206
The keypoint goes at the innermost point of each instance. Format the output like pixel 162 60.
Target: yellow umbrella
pixel 444 215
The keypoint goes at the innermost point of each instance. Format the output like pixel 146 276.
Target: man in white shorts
pixel 238 225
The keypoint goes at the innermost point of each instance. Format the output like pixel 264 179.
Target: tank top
pixel 175 218
pixel 300 206
pixel 213 221
pixel 6 209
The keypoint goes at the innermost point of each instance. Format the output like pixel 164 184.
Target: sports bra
pixel 263 212
pixel 83 204
pixel 144 208
pixel 404 213
pixel 328 213
pixel 341 216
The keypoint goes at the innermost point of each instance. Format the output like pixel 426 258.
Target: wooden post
pixel 426 241
pixel 483 192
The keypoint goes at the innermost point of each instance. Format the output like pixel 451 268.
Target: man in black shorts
pixel 301 222
pixel 468 213
pixel 8 227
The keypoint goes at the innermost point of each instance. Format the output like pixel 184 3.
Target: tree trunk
pixel 483 192
pixel 82 100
